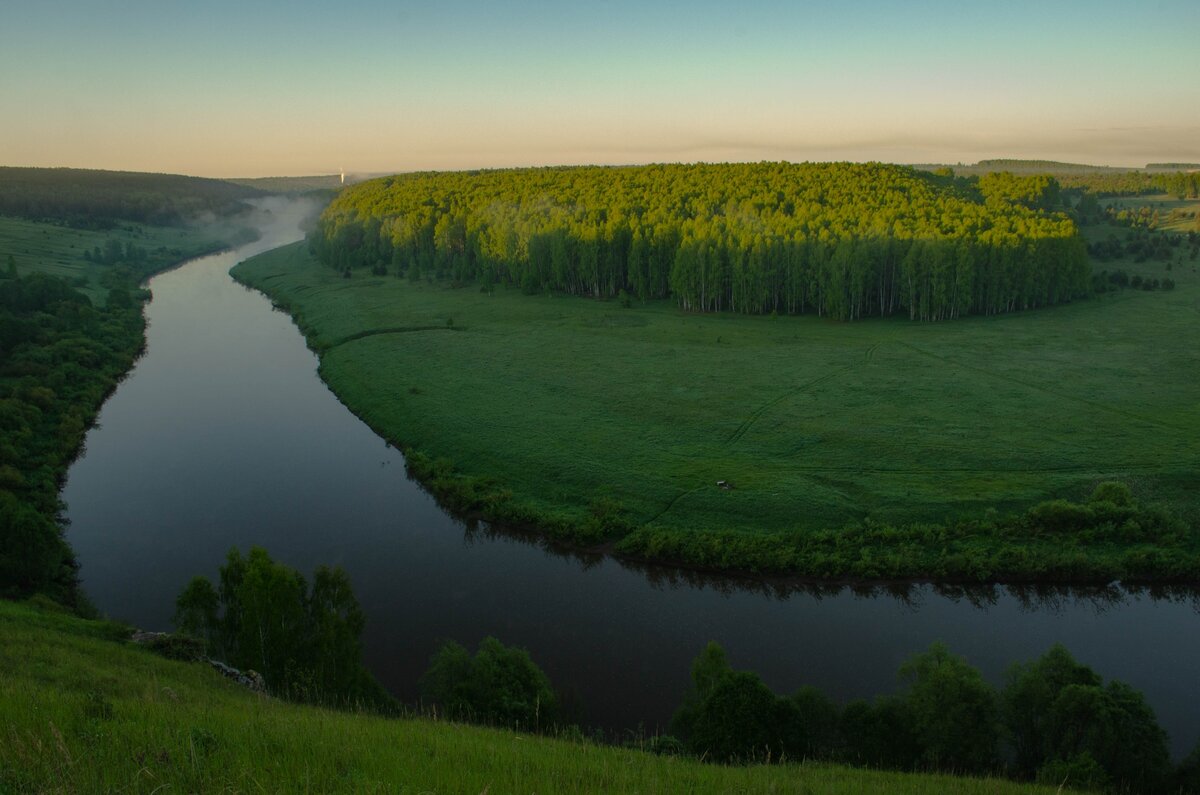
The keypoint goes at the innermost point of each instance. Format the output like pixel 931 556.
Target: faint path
pixel 741 430
pixel 358 335
pixel 672 503
pixel 1030 385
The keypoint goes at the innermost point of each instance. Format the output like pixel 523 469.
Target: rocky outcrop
pixel 180 647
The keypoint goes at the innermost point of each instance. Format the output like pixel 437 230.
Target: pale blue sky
pixel 254 88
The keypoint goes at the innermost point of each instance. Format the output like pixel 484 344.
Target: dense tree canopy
pixel 1054 720
pixel 95 199
pixel 843 240
pixel 59 358
pixel 263 615
pixel 500 685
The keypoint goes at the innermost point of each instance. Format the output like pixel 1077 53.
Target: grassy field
pixel 81 712
pixel 813 423
pixel 58 250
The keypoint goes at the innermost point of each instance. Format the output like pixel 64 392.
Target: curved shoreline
pixel 789 559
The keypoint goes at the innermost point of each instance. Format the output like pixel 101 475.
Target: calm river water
pixel 224 436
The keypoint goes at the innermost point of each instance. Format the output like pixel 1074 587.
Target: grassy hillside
pixel 100 199
pixel 58 250
pixel 564 401
pixel 83 712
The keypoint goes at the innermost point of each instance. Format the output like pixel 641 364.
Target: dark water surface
pixel 224 436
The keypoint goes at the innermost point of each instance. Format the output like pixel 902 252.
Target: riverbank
pixel 88 712
pixel 874 450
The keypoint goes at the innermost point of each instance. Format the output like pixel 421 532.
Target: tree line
pixel 97 199
pixel 1054 720
pixel 842 240
pixel 1181 184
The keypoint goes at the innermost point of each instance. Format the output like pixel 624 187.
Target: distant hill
pixel 92 198
pixel 1055 167
pixel 1173 166
pixel 292 184
pixel 1022 167
pixel 1044 166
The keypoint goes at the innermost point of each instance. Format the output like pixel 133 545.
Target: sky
pixel 251 88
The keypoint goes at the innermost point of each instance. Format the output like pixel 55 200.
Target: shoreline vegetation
pixel 75 250
pixel 1024 448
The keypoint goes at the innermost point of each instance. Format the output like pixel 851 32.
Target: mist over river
pixel 223 435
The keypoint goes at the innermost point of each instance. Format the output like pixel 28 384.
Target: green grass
pixel 58 250
pixel 813 422
pixel 80 712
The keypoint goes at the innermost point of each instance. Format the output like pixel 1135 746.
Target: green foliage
pixel 264 617
pixel 1029 695
pixel 841 240
pixel 499 686
pixel 1037 192
pixel 739 719
pixel 197 612
pixel 1055 721
pixel 1114 726
pixel 880 734
pixel 708 669
pixel 953 712
pixel 59 359
pixel 1116 494
pixel 1064 721
pixel 98 199
pixel 1187 775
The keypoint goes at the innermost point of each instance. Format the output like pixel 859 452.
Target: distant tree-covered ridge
pixel 95 199
pixel 842 240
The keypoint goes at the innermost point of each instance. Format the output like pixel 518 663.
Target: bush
pixel 1113 492
pixel 1060 516
pixel 500 685
pixel 954 711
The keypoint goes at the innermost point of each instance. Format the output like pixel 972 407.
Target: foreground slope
pixel 83 712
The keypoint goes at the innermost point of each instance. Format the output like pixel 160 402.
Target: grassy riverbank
pixel 57 250
pixel 592 420
pixel 84 712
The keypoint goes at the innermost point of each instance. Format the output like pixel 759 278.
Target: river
pixel 223 435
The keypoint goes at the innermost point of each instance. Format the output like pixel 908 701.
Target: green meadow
pixel 83 711
pixel 577 407
pixel 58 250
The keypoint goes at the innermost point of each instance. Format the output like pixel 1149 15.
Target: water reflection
pixel 1032 597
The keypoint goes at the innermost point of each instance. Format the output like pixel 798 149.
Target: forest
pixel 841 240
pixel 98 199
pixel 60 357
